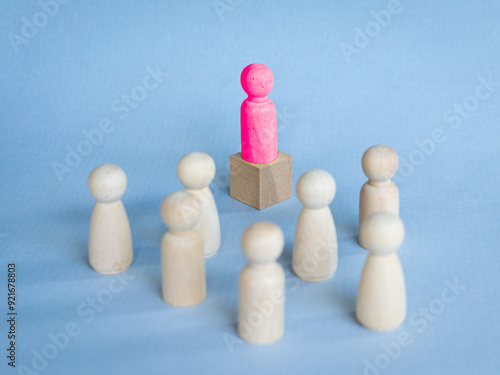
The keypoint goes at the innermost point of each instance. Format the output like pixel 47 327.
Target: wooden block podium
pixel 261 185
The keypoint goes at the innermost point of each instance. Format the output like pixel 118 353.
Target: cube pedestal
pixel 261 185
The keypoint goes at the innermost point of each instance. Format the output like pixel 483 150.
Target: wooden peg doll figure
pixel 380 164
pixel 110 239
pixel 315 249
pixel 381 301
pixel 182 258
pixel 261 302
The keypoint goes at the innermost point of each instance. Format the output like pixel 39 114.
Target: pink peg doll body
pixel 259 142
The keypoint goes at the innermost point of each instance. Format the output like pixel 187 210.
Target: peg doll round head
pixel 382 233
pixel 316 188
pixel 196 170
pixel 262 242
pixel 257 80
pixel 179 212
pixel 380 163
pixel 107 183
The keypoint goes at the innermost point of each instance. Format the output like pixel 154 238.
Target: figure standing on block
pixel 110 240
pixel 380 164
pixel 196 171
pixel 260 174
pixel 262 285
pixel 315 249
pixel 182 260
pixel 381 302
pixel 259 135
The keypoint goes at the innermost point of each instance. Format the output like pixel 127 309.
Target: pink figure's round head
pixel 257 80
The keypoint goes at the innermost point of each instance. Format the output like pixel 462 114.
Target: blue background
pixel 402 84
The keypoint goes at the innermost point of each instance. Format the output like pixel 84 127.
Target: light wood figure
pixel 262 285
pixel 315 249
pixel 196 171
pixel 380 164
pixel 110 239
pixel 182 259
pixel 381 302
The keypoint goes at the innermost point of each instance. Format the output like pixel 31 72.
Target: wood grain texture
pixel 261 185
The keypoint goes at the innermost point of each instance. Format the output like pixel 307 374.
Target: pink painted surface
pixel 259 140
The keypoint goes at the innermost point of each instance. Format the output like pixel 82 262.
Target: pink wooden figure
pixel 259 141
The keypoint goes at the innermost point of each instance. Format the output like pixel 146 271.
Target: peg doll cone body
pixel 182 258
pixel 110 239
pixel 261 300
pixel 196 171
pixel 315 250
pixel 259 134
pixel 381 301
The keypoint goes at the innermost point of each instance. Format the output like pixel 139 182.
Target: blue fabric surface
pixel 141 84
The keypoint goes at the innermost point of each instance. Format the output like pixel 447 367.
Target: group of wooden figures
pixel 194 234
